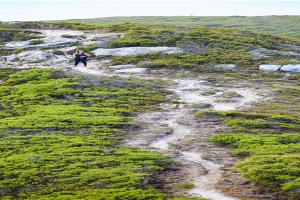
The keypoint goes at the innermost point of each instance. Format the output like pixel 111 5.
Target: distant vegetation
pixel 288 25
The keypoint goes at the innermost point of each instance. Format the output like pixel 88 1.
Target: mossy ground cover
pixel 267 136
pixel 203 47
pixel 59 135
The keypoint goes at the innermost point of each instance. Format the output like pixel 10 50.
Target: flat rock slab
pixel 225 66
pixel 31 56
pixel 132 71
pixel 269 68
pixel 121 66
pixel 61 32
pixel 127 51
pixel 268 53
pixel 290 68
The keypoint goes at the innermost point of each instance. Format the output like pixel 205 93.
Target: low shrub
pixel 16 51
pixel 35 42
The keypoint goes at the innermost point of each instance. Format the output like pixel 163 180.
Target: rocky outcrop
pixel 49 42
pixel 30 56
pixel 127 51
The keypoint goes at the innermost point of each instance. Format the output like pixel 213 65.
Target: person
pixel 80 56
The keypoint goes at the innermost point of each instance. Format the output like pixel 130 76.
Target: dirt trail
pixel 175 132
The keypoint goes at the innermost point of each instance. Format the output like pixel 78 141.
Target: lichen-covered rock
pixel 127 51
pixel 269 68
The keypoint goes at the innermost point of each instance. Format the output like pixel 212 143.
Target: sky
pixel 59 10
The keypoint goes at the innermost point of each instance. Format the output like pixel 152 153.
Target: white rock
pixel 269 68
pixel 121 66
pixel 132 71
pixel 12 58
pixel 61 32
pixel 225 66
pixel 126 51
pixel 290 68
pixel 68 49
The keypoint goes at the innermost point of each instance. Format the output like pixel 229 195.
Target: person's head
pixel 77 52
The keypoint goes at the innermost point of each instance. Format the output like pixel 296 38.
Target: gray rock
pixel 269 68
pixel 126 51
pixel 267 53
pixel 225 66
pixel 132 71
pixel 121 66
pixel 290 68
pixel 68 50
pixel 35 56
pixel 58 61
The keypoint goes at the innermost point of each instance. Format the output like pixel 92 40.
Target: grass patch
pixel 59 134
pixel 35 42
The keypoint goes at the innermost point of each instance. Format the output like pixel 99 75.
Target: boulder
pixel 127 51
pixel 269 68
pixel 132 71
pixel 290 68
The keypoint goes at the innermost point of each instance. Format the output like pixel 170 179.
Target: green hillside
pixel 270 24
pixel 59 132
